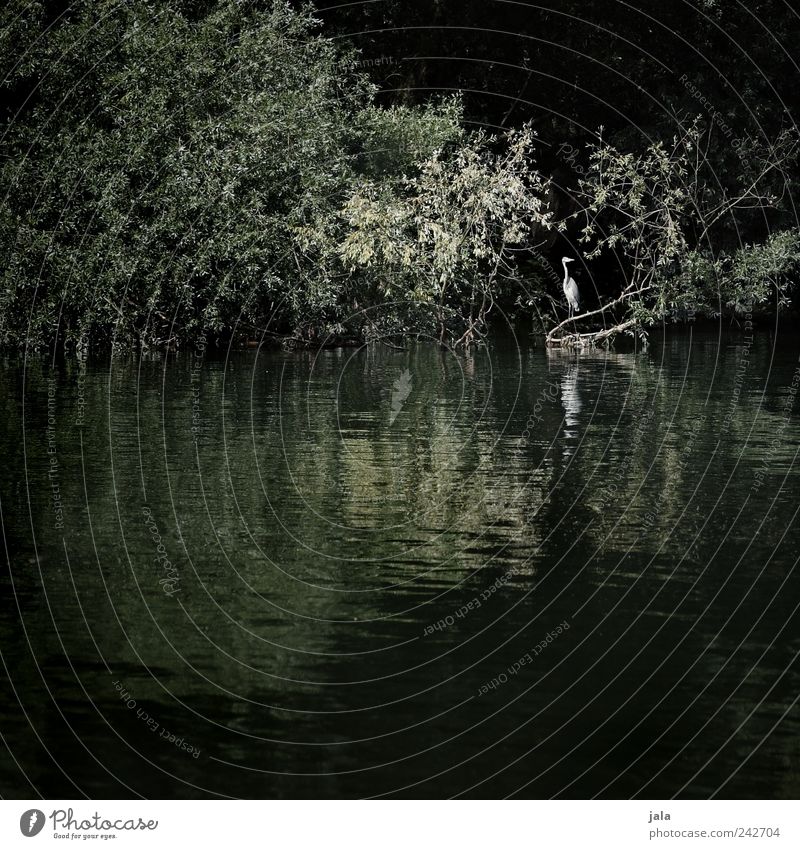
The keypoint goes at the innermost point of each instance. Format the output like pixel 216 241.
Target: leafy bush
pixel 182 169
pixel 664 213
pixel 171 176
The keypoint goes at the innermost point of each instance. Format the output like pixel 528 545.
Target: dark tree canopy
pixel 222 168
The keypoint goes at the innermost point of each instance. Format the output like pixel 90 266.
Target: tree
pixel 170 175
pixel 662 212
pixel 442 236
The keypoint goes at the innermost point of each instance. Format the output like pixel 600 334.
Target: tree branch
pixel 581 339
pixel 624 296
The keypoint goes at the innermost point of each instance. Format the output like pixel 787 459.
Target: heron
pixel 570 288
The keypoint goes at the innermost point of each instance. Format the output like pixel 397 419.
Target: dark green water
pixel 346 578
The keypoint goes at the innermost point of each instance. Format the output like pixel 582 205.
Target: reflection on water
pixel 571 402
pixel 322 571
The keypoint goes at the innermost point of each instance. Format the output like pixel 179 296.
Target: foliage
pixel 147 188
pixel 183 169
pixel 442 236
pixel 664 215
pixel 753 278
pixel 172 175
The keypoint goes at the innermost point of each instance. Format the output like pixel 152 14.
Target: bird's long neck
pixel 566 271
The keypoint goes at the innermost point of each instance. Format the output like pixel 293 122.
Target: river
pixel 374 572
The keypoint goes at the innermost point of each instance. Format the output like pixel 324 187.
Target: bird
pixel 570 288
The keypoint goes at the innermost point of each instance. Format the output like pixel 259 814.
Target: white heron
pixel 571 292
